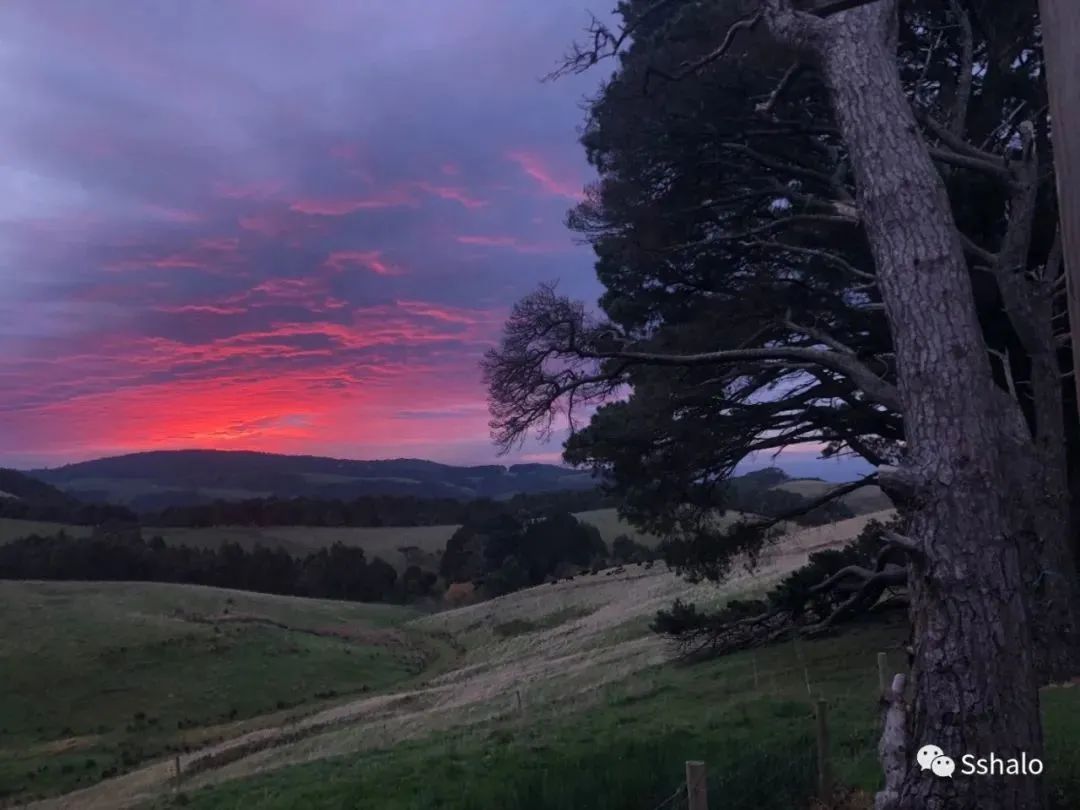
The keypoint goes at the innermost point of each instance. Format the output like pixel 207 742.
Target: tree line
pixel 337 572
pixel 370 510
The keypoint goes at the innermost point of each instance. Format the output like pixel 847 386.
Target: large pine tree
pixel 836 225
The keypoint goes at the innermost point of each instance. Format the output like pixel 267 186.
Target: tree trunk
pixel 1052 582
pixel 975 685
pixel 1061 31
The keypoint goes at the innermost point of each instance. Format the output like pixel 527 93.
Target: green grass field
pixel 100 677
pixel 748 716
pixel 300 541
pixel 11 529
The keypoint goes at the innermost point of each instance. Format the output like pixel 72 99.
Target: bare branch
pixel 1006 368
pixel 790 75
pixel 785 167
pixel 965 72
pixel 838 6
pixel 954 141
pixel 816 253
pixel 605 42
pixel 877 389
pixel 1054 266
pixel 820 336
pixel 965 161
pixel 692 67
pixel 971 248
pixel 899 483
pixel 901 541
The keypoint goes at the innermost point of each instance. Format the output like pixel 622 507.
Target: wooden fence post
pixel 882 674
pixel 697 794
pixel 176 765
pixel 823 774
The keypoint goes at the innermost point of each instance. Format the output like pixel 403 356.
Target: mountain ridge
pixel 160 478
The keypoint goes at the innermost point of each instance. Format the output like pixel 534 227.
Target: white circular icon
pixel 943 766
pixel 927 754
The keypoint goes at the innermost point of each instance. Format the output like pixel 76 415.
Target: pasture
pixel 11 529
pixel 98 678
pixel 550 692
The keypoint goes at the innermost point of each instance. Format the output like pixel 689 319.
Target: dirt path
pixel 602 642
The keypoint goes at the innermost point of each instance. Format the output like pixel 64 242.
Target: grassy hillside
pixel 861 501
pixel 11 529
pixel 749 716
pixel 553 697
pixel 610 525
pixel 100 677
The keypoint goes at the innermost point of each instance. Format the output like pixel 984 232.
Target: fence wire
pixel 675 801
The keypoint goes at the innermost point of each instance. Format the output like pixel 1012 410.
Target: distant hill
pixel 23 487
pixel 25 498
pixel 156 480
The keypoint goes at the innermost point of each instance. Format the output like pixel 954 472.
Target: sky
pixel 276 224
pixel 281 225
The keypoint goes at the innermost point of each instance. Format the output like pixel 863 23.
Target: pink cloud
pixel 340 260
pixel 508 242
pixel 446 314
pixel 561 185
pixel 337 207
pixel 286 287
pixel 220 244
pixel 172 261
pixel 201 309
pixel 175 214
pixel 261 190
pixel 281 225
pixel 452 193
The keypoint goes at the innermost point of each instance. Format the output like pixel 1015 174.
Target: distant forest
pixel 371 510
pixel 364 511
pixel 499 547
pixel 754 492
pixel 337 572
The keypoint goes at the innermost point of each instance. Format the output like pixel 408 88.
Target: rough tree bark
pixel 1029 304
pixel 974 679
pixel 1061 31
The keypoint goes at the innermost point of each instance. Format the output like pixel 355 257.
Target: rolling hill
pixel 101 677
pixel 155 480
pixel 860 502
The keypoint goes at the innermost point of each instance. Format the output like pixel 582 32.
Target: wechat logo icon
pixel 932 758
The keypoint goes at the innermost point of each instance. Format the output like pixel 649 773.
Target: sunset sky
pixel 274 224
pixel 281 225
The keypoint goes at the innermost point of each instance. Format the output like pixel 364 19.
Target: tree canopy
pixel 741 311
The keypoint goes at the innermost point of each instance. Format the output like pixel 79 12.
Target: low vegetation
pixel 748 715
pixel 99 678
pixel 338 572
